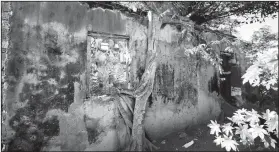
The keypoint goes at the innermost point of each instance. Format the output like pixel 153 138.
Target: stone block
pixel 5 44
pixel 6 6
pixel 3 51
pixel 4 31
pixel 6 15
pixel 4 34
pixel 5 24
pixel 3 60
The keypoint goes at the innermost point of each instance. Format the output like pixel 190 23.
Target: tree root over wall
pixel 133 111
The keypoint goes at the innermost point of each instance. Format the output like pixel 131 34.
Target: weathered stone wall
pixel 45 76
pixel 46 56
pixel 181 96
pixel 5 39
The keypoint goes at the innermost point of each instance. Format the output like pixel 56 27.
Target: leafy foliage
pixel 133 5
pixel 203 12
pixel 226 25
pixel 245 128
pixel 263 54
pixel 206 11
pixel 209 51
pixel 206 52
pixel 215 127
pixel 227 128
pixel 271 120
pixel 228 143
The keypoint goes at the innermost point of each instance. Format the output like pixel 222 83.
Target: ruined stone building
pixel 57 55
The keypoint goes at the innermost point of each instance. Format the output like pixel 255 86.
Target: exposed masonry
pixel 115 6
pixel 140 15
pixel 5 30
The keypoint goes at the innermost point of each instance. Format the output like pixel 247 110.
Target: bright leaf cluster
pixel 244 128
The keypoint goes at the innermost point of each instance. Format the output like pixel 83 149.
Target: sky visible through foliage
pixel 245 31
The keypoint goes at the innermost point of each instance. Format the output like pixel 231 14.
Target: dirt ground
pixel 203 141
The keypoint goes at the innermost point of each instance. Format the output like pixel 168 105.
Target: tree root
pixel 133 115
pixel 147 145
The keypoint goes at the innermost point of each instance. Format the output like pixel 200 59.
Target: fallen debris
pixel 189 144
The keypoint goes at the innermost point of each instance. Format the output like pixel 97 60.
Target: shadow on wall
pixel 51 61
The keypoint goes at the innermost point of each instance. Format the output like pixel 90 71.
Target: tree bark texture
pixel 142 94
pixel 133 111
pixel 144 90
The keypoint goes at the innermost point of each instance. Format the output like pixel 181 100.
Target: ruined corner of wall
pixel 6 13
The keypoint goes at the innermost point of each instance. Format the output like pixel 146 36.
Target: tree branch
pixel 183 22
pixel 202 11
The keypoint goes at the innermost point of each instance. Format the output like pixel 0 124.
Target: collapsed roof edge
pixel 139 14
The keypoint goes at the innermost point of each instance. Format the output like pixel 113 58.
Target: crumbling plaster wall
pixel 181 96
pixel 47 56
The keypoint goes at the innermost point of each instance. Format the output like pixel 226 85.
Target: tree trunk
pixel 142 93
